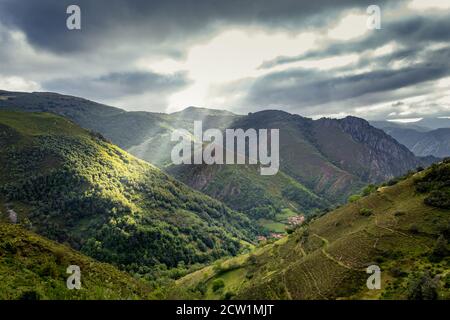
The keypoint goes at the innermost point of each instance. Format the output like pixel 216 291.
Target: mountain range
pixel 69 195
pixel 427 137
pixel 315 171
pixel 435 142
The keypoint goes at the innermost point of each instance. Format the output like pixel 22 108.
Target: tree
pixel 369 189
pixel 365 212
pixel 354 198
pixel 218 284
pixel 439 249
pixel 252 260
pixel 422 287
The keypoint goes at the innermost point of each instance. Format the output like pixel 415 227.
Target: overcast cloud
pixel 315 58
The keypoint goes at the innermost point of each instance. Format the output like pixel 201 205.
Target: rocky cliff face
pixel 385 157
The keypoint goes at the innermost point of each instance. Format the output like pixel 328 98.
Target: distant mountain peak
pixel 273 114
pixel 352 120
pixel 193 110
pixel 270 112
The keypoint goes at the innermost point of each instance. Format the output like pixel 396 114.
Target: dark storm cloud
pixel 119 39
pixel 105 23
pixel 312 88
pixel 414 33
pixel 310 92
pixel 116 85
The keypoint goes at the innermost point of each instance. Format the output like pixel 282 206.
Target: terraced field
pixel 327 258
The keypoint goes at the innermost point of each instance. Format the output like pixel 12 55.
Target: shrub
pixel 393 182
pixel 437 182
pixel 201 287
pixel 397 272
pixel 399 213
pixel 422 287
pixel 423 187
pixel 8 247
pixel 30 295
pixel 218 268
pixel 391 254
pixel 369 189
pixel 354 198
pixel 445 230
pixel 440 249
pixel 228 295
pixel 439 199
pixel 365 212
pixel 48 269
pixel 447 281
pixel 414 229
pixel 252 260
pixel 218 284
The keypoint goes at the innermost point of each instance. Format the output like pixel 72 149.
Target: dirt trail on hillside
pixel 329 256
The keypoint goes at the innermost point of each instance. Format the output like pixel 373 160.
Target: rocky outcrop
pixel 385 157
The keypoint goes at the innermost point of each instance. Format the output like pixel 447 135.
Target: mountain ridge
pixel 329 170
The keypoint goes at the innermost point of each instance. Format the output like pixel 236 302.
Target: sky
pixel 313 58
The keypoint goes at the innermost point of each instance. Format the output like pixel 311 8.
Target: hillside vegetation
pixel 262 198
pixel 404 229
pixel 315 171
pixel 75 187
pixel 34 268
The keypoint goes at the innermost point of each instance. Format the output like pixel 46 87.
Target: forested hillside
pixel 75 187
pixel 34 268
pixel 316 172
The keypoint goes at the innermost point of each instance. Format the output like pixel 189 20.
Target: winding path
pixel 329 256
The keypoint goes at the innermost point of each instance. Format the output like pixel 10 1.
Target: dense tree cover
pixel 422 287
pixel 34 268
pixel 243 188
pixel 303 198
pixel 84 191
pixel 436 182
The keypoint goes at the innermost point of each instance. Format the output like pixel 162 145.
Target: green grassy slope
pixel 32 267
pixel 124 128
pixel 144 134
pixel 404 229
pixel 73 186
